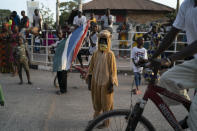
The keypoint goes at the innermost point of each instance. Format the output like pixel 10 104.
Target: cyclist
pixel 183 76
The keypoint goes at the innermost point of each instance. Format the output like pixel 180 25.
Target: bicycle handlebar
pixel 154 65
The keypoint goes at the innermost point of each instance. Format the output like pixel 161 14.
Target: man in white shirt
pixel 79 20
pixel 37 19
pixel 138 53
pixel 107 21
pixel 183 76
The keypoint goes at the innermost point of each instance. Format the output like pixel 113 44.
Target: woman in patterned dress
pixel 5 65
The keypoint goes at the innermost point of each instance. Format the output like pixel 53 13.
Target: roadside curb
pixel 49 68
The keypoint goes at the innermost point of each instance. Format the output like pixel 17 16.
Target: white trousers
pixel 177 80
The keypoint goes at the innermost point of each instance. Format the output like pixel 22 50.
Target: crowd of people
pixel 13 45
pixel 102 72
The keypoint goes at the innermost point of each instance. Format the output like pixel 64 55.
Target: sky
pixel 19 5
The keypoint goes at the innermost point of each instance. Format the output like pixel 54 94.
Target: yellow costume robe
pixel 103 70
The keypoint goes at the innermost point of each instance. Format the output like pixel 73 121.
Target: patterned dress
pixel 12 47
pixel 5 65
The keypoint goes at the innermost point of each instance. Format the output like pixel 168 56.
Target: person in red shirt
pixel 24 20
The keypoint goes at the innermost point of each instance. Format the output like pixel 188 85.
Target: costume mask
pixel 103 44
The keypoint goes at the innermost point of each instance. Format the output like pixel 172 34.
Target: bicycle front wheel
pixel 118 122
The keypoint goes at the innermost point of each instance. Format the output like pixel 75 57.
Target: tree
pixel 3 15
pixel 171 16
pixel 47 16
pixel 66 9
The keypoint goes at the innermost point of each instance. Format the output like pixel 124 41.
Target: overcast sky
pixel 19 5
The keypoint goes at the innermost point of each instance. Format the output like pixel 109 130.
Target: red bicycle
pixel 132 119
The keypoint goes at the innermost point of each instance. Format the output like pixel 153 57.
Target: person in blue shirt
pixel 16 18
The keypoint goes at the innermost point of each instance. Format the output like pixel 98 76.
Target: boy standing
pixel 61 74
pixel 22 59
pixel 138 53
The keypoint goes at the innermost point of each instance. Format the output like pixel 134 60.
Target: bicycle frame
pixel 152 93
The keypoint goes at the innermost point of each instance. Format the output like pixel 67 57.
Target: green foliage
pixel 171 16
pixel 3 15
pixel 66 8
pixel 47 16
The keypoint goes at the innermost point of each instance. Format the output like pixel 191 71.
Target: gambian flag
pixel 67 49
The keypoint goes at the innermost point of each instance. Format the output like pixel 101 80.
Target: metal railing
pixel 45 58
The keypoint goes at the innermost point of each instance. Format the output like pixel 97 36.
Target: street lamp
pixel 177 6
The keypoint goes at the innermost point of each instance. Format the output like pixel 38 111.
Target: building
pixel 139 11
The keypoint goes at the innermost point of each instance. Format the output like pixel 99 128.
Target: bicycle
pixel 134 120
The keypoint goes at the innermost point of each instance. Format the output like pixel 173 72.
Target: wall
pixel 143 18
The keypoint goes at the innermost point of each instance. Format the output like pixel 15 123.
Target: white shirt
pixel 37 39
pixel 37 20
pixel 56 43
pixel 136 54
pixel 94 39
pixel 23 33
pixel 92 49
pixel 105 19
pixel 79 21
pixel 187 20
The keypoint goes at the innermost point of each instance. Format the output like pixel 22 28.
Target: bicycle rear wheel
pixel 118 122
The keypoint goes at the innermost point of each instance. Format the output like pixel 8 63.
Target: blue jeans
pixel 137 79
pixel 37 49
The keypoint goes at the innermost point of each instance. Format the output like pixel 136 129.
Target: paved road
pixel 38 108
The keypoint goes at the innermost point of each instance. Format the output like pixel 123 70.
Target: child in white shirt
pixel 138 53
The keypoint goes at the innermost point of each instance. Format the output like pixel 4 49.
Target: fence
pixel 44 56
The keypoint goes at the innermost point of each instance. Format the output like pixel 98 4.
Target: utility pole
pixel 57 14
pixel 177 6
pixel 80 5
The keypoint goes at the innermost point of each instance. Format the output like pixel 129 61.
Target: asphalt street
pixel 37 108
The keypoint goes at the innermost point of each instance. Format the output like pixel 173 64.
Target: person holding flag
pixel 66 52
pixel 61 74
